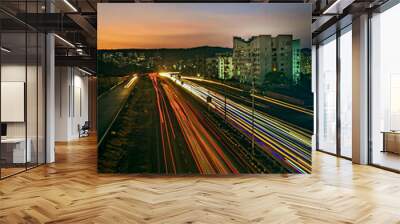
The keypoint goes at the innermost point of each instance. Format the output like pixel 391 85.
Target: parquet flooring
pixel 71 191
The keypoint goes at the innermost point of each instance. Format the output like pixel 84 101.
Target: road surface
pixel 296 115
pixel 110 103
pixel 288 143
pixel 173 127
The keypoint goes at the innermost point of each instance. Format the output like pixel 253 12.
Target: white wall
pixel 33 127
pixel 71 102
pixel 62 82
pixel 14 72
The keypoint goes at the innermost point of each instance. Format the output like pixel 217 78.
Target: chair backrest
pixel 86 124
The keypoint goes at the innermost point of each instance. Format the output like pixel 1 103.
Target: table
pixel 391 141
pixel 13 150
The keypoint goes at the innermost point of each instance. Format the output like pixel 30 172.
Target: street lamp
pixel 250 69
pixel 253 110
pixel 224 88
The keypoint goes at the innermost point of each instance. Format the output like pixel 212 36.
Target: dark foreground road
pixel 109 105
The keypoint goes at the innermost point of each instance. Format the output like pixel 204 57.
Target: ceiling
pixel 75 21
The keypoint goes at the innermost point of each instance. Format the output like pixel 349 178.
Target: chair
pixel 84 130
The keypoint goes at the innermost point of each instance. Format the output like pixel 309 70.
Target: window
pixel 346 92
pixel 327 95
pixel 385 89
pixel 22 87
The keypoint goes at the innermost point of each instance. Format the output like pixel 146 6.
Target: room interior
pixel 48 92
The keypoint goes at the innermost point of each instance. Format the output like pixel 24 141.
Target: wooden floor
pixel 71 191
pixel 5 172
pixel 387 159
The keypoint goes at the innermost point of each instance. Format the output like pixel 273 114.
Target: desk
pixel 13 150
pixel 391 141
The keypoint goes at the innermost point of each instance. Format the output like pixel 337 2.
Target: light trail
pixel 205 149
pixel 131 82
pixel 288 144
pixel 263 98
pixel 211 81
pixel 166 127
pixel 285 104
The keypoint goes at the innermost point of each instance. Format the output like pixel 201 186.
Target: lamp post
pixel 253 111
pixel 224 96
pixel 221 71
pixel 250 68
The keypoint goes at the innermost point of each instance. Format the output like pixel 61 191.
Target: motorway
pixel 205 150
pixel 289 144
pixel 165 129
pixel 296 115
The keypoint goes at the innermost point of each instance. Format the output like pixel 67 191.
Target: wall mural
pixel 191 88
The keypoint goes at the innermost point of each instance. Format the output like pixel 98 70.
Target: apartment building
pixel 296 53
pixel 220 66
pixel 212 67
pixel 225 66
pixel 259 55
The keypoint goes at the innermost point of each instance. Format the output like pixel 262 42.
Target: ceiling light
pixel 79 51
pixel 5 50
pixel 327 11
pixel 86 72
pixel 64 40
pixel 337 7
pixel 70 5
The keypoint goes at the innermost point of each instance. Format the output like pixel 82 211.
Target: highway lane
pixel 285 142
pixel 214 147
pixel 298 116
pixel 205 149
pixel 176 158
pixel 110 103
pixel 202 145
pixel 264 98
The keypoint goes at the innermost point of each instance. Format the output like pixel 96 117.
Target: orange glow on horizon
pixel 186 25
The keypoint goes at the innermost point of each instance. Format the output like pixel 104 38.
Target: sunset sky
pixel 185 25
